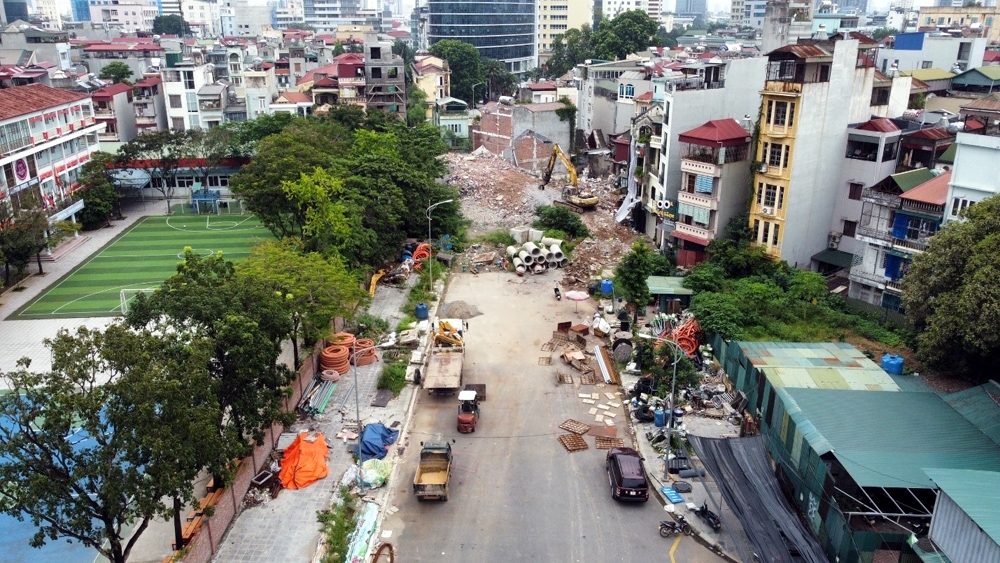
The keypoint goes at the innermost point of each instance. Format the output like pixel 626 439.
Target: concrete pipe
pixel 549 257
pixel 548 241
pixel 528 259
pixel 556 251
pixel 532 248
pixel 538 269
pixel 564 262
pixel 512 251
pixel 520 270
pixel 552 264
pixel 517 262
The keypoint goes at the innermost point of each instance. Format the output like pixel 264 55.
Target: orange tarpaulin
pixel 304 462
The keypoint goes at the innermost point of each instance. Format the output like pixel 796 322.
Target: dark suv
pixel 626 475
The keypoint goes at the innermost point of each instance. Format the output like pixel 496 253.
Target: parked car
pixel 626 475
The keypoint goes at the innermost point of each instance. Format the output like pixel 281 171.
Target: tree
pixel 24 233
pixel 97 191
pixel 883 32
pixel 160 154
pixel 171 25
pixel 720 313
pixel 403 49
pixel 416 106
pixel 499 82
pixel 631 273
pixel 319 288
pixel 555 218
pixel 320 215
pixel 627 33
pixel 338 49
pixel 116 71
pixel 244 135
pixel 207 148
pixel 244 321
pixel 951 296
pixel 90 450
pixel 465 64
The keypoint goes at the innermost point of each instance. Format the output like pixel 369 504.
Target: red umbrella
pixel 577 296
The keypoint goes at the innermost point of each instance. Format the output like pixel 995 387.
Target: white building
pixel 129 16
pixel 180 88
pixel 251 20
pixel 49 9
pixel 920 50
pixel 46 135
pixel 289 12
pixel 203 17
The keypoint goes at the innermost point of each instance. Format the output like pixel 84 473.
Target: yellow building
pixel 433 76
pixel 557 16
pixel 977 21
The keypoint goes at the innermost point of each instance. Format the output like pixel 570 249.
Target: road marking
pixel 673 548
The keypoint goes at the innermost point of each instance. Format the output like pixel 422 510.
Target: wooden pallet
pixel 573 442
pixel 545 361
pixel 605 443
pixel 564 378
pixel 575 426
pixel 590 378
pixel 548 346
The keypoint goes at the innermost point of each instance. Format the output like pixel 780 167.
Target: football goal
pixel 127 295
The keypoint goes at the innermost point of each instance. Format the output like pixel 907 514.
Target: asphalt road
pixel 516 494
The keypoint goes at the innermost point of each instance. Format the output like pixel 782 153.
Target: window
pixel 849 228
pixel 188 80
pixel 958 205
pixel 192 102
pixel 261 103
pixel 777 227
pixel 767 226
pixel 776 154
pixel 195 122
pixel 756 229
pixel 927 64
pixel 880 96
pixel 854 191
pixel 14 136
pixel 781 113
pixel 376 72
pixel 767 194
pixel 781 197
pixel 175 101
pixel 824 73
pixel 626 91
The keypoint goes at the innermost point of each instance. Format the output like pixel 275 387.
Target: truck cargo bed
pixel 444 369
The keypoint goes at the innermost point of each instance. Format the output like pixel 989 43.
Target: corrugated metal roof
pixel 882 125
pixel 986 103
pixel 931 133
pixel 803 51
pixel 717 132
pixel 887 439
pixel 975 493
pixel 980 406
pixel 933 191
pixel 949 154
pixel 990 72
pixel 912 178
pixel 666 285
pixel 926 74
pixel 817 365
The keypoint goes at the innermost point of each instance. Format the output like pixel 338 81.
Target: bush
pixel 393 376
pixel 337 526
pixel 560 218
pixel 370 326
pixel 501 238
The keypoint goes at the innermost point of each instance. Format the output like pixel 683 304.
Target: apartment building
pixel 203 17
pixel 557 16
pixel 261 88
pixel 181 85
pixel 150 104
pixel 128 16
pixel 971 20
pixel 433 77
pixel 814 90
pixel 922 50
pixel 114 108
pixel 976 174
pixel 140 56
pixel 385 77
pixel 451 116
pixel 46 135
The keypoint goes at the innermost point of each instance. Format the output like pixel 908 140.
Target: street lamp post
pixel 474 95
pixel 673 386
pixel 430 244
pixel 357 403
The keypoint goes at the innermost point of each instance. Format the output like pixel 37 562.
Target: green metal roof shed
pixel 980 406
pixel 967 495
pixel 668 288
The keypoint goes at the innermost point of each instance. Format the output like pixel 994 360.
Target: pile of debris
pixel 494 192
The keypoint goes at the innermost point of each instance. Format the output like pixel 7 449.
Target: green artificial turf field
pixel 141 258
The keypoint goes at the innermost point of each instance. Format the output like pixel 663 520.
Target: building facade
pixel 921 50
pixel 46 135
pixel 385 77
pixel 181 85
pixel 150 104
pixel 113 106
pixel 972 20
pixel 129 16
pixel 500 29
pixel 557 16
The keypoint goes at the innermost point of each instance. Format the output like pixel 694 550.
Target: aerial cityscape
pixel 499 280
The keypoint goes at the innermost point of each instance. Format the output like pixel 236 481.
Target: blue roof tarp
pixel 375 440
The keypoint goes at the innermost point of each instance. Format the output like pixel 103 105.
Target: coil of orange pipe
pixel 345 339
pixel 366 352
pixel 335 358
pixel 422 252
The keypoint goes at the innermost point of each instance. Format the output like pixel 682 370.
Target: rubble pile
pixel 495 194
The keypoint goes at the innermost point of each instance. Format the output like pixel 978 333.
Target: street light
pixel 357 403
pixel 673 385
pixel 430 244
pixel 474 95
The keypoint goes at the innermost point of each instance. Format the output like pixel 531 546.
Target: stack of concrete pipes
pixel 536 258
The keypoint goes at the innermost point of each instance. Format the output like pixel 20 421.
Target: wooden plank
pixel 573 442
pixel 575 426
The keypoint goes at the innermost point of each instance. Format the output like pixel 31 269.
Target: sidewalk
pixel 731 542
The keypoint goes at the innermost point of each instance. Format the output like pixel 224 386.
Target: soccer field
pixel 141 258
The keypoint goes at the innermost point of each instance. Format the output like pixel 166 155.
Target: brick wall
pixel 531 153
pixel 495 127
pixel 205 543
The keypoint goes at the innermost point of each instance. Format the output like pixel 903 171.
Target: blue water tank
pixel 606 287
pixel 421 311
pixel 659 418
pixel 892 364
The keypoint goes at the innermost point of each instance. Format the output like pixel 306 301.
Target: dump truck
pixel 433 472
pixel 445 356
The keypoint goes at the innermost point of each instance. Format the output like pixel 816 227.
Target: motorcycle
pixel 643 413
pixel 710 518
pixel 669 527
pixel 558 295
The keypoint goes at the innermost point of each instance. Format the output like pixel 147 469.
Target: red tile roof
pixel 132 40
pixel 109 92
pixel 881 125
pixel 933 191
pixel 932 134
pixel 295 97
pixel 542 86
pixel 148 81
pixel 398 34
pixel 645 96
pixel 717 133
pixel 22 100
pixel 991 56
pixel 106 47
pixel 329 70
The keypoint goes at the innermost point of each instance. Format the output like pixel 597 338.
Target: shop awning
pixel 689 238
pixel 833 257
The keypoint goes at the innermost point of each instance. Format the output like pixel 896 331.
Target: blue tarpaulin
pixel 374 440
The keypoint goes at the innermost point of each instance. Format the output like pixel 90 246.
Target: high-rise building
pixel 691 8
pixel 49 9
pixel 81 10
pixel 326 15
pixel 557 16
pixel 128 15
pixel 500 29
pixel 15 10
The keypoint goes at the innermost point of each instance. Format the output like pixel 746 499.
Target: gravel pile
pixel 458 310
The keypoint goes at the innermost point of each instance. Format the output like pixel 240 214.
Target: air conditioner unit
pixel 763 169
pixel 834 244
pixel 767 210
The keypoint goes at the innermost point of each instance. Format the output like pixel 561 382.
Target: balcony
pixel 209 106
pixel 703 168
pixel 930 209
pixel 910 246
pixel 656 141
pixel 871 235
pixel 64 209
pixel 776 131
pixel 699 200
pixel 142 99
pixel 355 81
pixel 704 234
pixel 880 198
pixel 104 113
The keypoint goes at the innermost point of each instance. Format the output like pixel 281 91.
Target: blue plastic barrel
pixel 659 418
pixel 421 311
pixel 892 364
pixel 606 287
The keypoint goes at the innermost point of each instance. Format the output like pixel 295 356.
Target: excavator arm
pixel 561 155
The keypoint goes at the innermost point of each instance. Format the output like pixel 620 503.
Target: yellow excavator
pixel 573 195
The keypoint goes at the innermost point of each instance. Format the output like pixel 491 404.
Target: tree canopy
pixel 117 72
pixel 171 25
pixel 951 296
pixel 465 64
pixel 633 269
pixel 97 191
pixel 626 33
pixel 883 32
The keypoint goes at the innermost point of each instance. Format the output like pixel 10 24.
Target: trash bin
pixel 659 418
pixel 421 311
